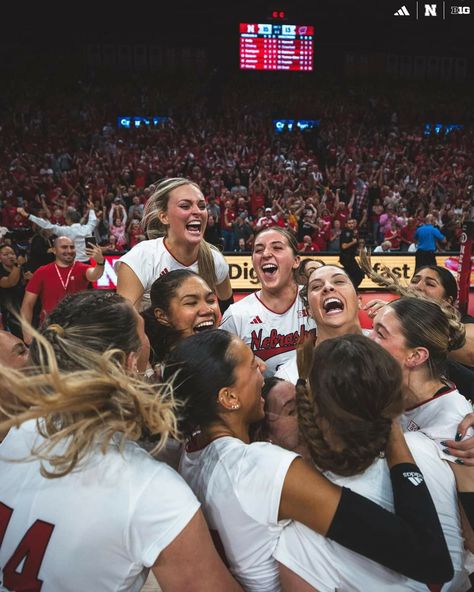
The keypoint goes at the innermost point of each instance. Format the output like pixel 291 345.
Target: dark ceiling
pixel 369 24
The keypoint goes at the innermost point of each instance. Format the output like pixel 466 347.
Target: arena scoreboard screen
pixel 277 47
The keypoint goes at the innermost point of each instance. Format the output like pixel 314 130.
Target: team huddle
pixel 266 445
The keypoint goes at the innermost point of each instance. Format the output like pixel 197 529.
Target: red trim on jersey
pixel 273 311
pixel 177 260
pixel 444 390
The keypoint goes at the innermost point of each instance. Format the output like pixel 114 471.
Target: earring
pixel 235 406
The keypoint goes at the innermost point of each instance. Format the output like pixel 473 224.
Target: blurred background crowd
pixel 368 159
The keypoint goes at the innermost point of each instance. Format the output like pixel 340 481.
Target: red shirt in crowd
pixel 257 200
pixel 407 234
pixel 52 282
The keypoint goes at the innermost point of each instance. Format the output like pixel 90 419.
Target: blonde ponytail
pixel 84 409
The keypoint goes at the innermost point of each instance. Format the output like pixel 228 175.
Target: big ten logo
pixel 108 280
pixel 242 274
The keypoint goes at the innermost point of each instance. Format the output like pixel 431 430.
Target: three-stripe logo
pixel 403 11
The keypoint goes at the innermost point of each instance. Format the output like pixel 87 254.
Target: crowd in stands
pixel 102 414
pixel 368 160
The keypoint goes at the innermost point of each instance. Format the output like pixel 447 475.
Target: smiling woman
pixel 333 303
pixel 175 213
pixel 181 304
pixel 273 320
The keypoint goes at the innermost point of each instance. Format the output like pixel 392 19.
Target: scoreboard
pixel 276 47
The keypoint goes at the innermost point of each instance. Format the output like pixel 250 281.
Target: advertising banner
pixel 244 278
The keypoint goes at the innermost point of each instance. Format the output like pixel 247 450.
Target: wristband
pixel 410 542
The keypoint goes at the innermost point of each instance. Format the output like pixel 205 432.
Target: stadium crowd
pixel 368 160
pixel 286 421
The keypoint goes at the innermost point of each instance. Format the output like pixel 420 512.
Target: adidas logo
pixel 415 478
pixel 256 321
pixel 402 12
pixel 412 426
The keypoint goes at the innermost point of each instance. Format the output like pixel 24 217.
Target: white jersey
pixel 239 486
pixel 151 258
pixel 328 566
pixel 439 417
pixel 289 370
pixel 272 336
pixel 98 528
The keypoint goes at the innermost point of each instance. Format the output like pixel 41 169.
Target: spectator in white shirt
pixel 74 230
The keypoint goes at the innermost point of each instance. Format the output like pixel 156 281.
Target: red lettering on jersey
pixel 164 272
pixel 5 515
pixel 276 343
pixel 29 552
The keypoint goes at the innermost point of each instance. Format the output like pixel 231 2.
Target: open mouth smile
pixel 204 326
pixel 333 305
pixel 194 227
pixel 269 269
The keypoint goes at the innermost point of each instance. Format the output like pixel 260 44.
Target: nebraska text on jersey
pixel 272 336
pixel 276 343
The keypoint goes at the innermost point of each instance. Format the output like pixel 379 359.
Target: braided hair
pixel 438 321
pixel 346 407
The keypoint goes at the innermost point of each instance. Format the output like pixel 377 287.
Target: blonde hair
pixel 156 205
pixel 83 409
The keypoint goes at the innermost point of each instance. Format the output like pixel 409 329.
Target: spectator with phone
pixel 51 283
pixel 12 287
pixel 73 229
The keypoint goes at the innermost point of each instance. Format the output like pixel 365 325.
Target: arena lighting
pixel 440 128
pixel 281 125
pixel 136 122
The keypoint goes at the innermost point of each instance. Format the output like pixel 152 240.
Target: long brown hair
pixel 425 324
pixel 354 391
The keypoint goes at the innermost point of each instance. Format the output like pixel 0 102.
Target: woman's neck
pixel 419 388
pixel 324 333
pixel 183 252
pixel 233 429
pixel 281 300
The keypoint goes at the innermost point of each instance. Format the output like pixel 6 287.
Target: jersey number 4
pixel 29 554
